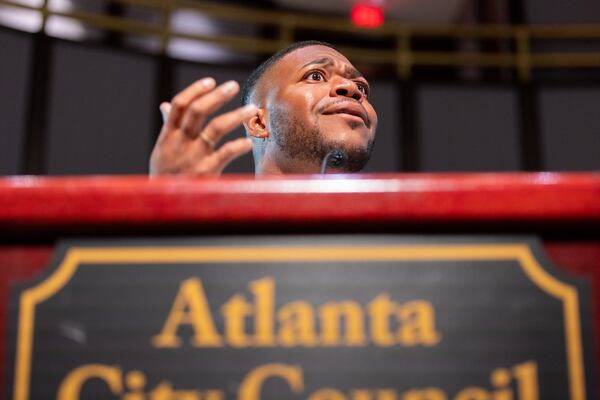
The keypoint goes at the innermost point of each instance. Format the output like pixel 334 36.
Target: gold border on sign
pixel 135 255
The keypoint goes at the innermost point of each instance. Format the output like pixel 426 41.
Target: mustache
pixel 324 107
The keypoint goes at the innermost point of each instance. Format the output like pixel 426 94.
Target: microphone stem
pixel 335 158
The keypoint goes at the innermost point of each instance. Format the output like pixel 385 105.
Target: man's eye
pixel 363 88
pixel 315 76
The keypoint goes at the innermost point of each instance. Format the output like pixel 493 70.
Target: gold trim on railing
pixel 402 56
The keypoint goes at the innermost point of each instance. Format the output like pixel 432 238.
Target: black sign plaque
pixel 316 318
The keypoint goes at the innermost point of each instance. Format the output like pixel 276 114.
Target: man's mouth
pixel 348 108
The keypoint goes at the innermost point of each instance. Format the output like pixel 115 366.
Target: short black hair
pixel 255 76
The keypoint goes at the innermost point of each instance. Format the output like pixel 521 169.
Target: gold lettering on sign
pixel 332 315
pixel 129 386
pixel 473 393
pixel 258 323
pixel 71 385
pixel 526 376
pixel 297 325
pixel 517 383
pixel 251 386
pixel 417 324
pixel 327 394
pixel 191 308
pixel 500 380
pixel 425 394
pixel 235 312
pixel 264 295
pixel 386 394
pixel 380 309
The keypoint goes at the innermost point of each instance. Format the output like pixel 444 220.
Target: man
pixel 304 102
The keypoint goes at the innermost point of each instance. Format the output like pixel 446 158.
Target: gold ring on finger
pixel 211 143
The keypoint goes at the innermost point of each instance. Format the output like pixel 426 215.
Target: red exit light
pixel 367 15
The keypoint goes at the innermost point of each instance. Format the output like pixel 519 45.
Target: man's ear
pixel 256 126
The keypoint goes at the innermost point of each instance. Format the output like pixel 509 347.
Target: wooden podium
pixel 563 210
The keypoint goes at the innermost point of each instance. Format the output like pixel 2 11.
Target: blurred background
pixel 459 85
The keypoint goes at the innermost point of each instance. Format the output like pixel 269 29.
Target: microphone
pixel 336 158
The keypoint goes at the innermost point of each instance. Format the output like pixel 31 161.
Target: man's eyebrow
pixel 351 71
pixel 320 61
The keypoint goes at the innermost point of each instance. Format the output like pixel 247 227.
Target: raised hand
pixel 186 144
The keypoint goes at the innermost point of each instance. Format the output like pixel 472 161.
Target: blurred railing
pixel 516 54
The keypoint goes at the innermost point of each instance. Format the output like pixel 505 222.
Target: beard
pixel 304 142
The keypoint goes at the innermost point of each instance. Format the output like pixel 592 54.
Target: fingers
pixel 223 124
pixel 229 152
pixel 165 109
pixel 181 102
pixel 197 112
pixel 184 118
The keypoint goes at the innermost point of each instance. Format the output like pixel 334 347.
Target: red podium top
pixel 394 199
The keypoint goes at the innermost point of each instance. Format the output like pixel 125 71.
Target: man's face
pixel 316 101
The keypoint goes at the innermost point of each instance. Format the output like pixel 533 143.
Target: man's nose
pixel 346 87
